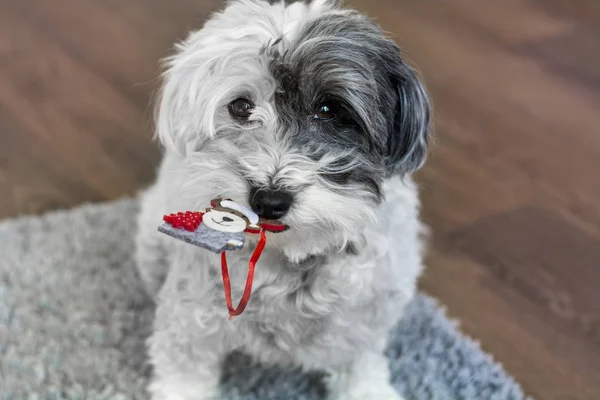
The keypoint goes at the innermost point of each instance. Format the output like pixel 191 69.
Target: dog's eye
pixel 326 110
pixel 241 108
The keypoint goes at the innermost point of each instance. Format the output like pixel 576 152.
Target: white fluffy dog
pixel 305 113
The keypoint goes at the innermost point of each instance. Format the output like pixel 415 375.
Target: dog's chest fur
pixel 293 307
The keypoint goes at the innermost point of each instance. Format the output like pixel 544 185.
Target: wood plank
pixel 123 41
pixel 510 329
pixel 72 112
pixel 37 179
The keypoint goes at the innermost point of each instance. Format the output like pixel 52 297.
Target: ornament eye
pixel 241 108
pixel 326 111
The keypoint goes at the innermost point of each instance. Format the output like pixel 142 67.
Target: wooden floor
pixel 511 190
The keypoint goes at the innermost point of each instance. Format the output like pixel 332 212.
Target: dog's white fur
pixel 314 305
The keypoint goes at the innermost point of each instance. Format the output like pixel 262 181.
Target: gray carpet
pixel 73 322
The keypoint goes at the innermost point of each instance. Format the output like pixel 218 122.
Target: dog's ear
pixel 187 101
pixel 408 139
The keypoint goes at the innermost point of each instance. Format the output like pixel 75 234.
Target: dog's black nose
pixel 270 204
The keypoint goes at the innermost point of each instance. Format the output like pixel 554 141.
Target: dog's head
pixel 300 111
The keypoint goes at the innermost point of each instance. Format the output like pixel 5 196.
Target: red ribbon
pixel 263 226
pixel 248 289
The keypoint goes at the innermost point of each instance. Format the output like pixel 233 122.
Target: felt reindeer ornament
pixel 221 228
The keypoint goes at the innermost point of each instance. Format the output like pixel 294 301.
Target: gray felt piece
pixel 73 320
pixel 207 238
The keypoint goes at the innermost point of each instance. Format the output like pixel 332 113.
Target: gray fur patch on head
pixel 383 118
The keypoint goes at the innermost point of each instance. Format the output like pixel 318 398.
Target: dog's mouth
pixel 273 225
pixel 269 225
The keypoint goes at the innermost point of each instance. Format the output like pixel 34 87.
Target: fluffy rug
pixel 73 321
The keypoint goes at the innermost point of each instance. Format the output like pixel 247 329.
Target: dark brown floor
pixel 511 190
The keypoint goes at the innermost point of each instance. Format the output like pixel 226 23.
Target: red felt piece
pixel 189 220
